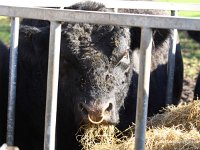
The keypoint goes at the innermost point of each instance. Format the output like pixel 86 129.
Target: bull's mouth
pixel 95 120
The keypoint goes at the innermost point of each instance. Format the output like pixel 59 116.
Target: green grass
pixel 189 46
pixel 5 30
pixel 181 1
pixel 185 13
pixel 191 55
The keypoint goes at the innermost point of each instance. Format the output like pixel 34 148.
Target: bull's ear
pixel 159 37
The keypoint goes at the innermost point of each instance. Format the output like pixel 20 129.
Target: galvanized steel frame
pixel 12 80
pixel 171 63
pixel 123 19
pixel 146 22
pixel 52 86
pixel 143 87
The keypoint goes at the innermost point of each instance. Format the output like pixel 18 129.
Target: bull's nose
pixel 95 114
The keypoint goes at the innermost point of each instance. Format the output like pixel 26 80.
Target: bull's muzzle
pixel 96 114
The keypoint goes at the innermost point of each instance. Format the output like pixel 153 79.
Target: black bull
pixel 196 36
pixel 197 89
pixel 98 76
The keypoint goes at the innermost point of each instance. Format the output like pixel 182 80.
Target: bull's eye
pixel 82 80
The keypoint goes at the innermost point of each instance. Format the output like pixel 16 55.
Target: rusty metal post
pixel 12 80
pixel 171 63
pixel 143 88
pixel 52 86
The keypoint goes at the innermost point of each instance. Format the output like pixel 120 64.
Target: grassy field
pixel 185 13
pixel 191 55
pixel 5 30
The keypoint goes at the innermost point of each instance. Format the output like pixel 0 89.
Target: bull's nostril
pixel 109 108
pixel 83 108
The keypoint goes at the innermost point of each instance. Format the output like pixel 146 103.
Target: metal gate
pixel 56 15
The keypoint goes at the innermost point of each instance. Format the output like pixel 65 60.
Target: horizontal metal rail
pixel 112 4
pixel 125 19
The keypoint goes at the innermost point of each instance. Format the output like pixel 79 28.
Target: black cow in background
pixel 197 89
pixel 99 66
pixel 35 23
pixel 3 86
pixel 196 36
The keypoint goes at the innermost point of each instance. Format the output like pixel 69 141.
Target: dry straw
pixel 175 129
pixel 186 115
pixel 100 136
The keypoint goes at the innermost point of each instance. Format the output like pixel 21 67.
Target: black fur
pixel 91 72
pixel 195 35
pixel 197 89
pixel 3 89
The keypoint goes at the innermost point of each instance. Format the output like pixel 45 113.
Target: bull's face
pixel 95 71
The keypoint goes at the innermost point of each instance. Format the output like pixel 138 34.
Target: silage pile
pixel 178 128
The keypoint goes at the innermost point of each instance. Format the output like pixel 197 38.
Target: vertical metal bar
pixel 115 10
pixel 52 86
pixel 143 88
pixel 171 63
pixel 12 80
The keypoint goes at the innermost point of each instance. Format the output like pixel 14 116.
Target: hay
pixel 102 135
pixel 172 139
pixel 186 115
pixel 97 135
pixel 161 139
pixel 176 129
pixel 5 147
